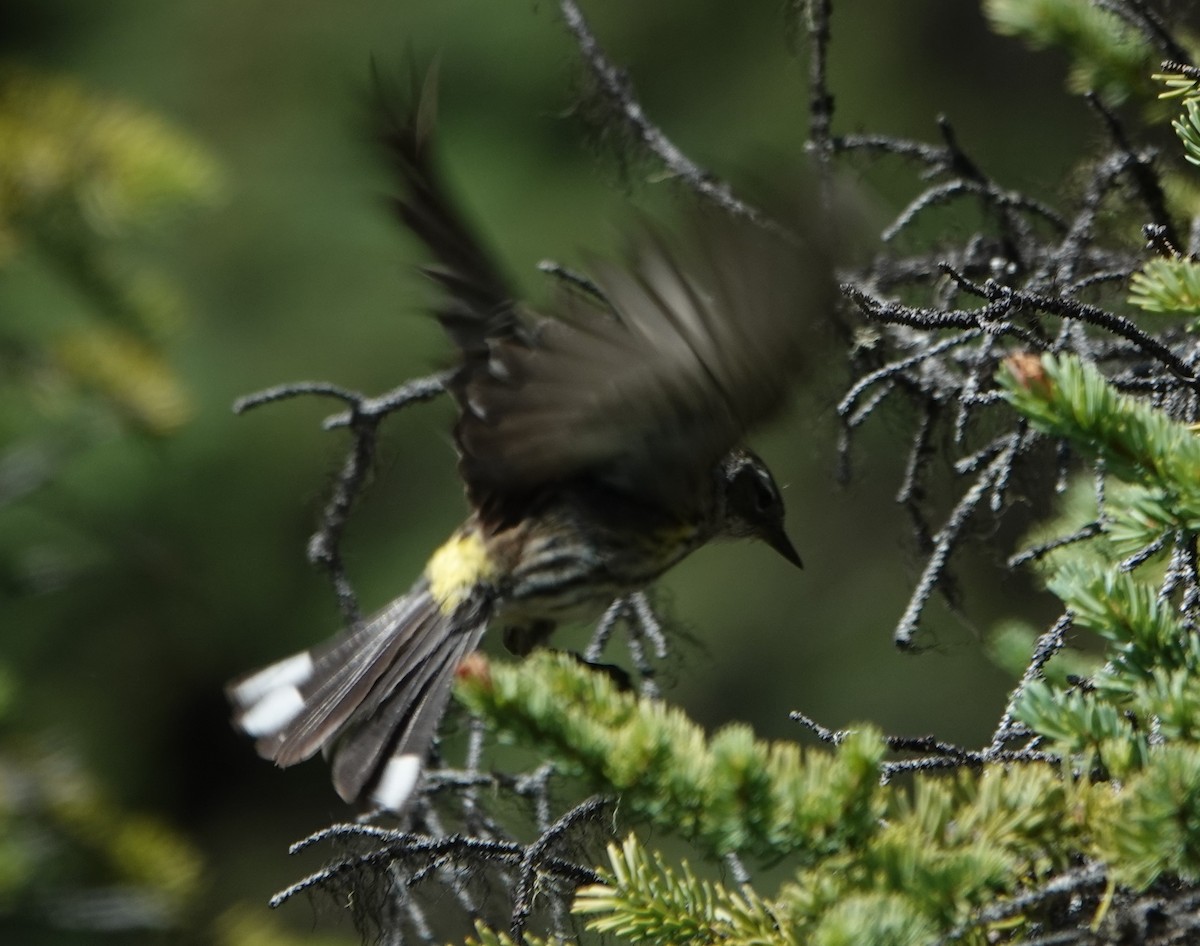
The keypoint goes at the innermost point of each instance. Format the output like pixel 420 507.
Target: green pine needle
pixel 729 792
pixel 877 919
pixel 1065 397
pixel 1170 285
pixel 486 936
pixel 1106 56
pixel 1157 828
pixel 1187 127
pixel 1088 727
pixel 645 901
pixel 1172 700
pixel 1125 610
pixel 1178 85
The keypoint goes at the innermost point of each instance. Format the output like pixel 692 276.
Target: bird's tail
pixel 370 698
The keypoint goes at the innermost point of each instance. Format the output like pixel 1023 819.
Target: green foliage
pixel 1178 86
pixel 1139 718
pixel 730 792
pixel 1151 681
pixel 1088 727
pixel 75 161
pixel 81 178
pixel 129 371
pixel 1168 285
pixel 881 919
pixel 925 866
pixel 1128 612
pixel 887 863
pixel 1172 284
pixel 1011 642
pixel 644 900
pixel 60 835
pixel 1171 699
pixel 930 855
pixel 1158 457
pixel 486 936
pixel 1157 828
pixel 1106 55
pixel 1187 127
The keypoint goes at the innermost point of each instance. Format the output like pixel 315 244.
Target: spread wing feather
pixel 661 391
pixel 477 306
pixel 404 723
pixel 370 698
pixel 642 390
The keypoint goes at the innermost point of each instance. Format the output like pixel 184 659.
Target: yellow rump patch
pixel 458 567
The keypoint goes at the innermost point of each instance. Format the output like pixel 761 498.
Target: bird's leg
pixel 521 640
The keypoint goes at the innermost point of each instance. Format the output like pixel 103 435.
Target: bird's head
pixel 753 505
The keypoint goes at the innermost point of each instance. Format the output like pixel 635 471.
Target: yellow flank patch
pixel 456 568
pixel 669 543
pixel 671 536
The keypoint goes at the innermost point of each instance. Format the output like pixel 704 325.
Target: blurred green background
pixel 145 568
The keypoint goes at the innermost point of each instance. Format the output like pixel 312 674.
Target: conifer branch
pixel 1068 398
pixel 1167 285
pixel 363 418
pixel 1108 54
pixel 1187 127
pixel 643 900
pixel 667 770
pixel 615 87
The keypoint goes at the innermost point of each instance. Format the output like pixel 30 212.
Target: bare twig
pixel 617 89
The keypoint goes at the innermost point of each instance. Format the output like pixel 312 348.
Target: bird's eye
pixel 765 496
pixel 754 495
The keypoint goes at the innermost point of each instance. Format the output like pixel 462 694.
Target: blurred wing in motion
pixel 650 392
pixel 644 389
pixel 476 307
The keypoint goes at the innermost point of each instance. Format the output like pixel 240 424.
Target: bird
pixel 600 442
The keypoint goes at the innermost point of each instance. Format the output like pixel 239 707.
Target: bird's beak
pixel 779 541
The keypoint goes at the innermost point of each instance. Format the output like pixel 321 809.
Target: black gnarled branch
pixel 617 90
pixel 363 417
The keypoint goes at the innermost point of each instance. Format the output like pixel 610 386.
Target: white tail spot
pixel 288 672
pixel 270 714
pixel 397 782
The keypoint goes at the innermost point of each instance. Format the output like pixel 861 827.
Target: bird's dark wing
pixel 642 393
pixel 476 305
pixel 650 392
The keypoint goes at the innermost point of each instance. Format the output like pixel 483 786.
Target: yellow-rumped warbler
pixel 598 448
